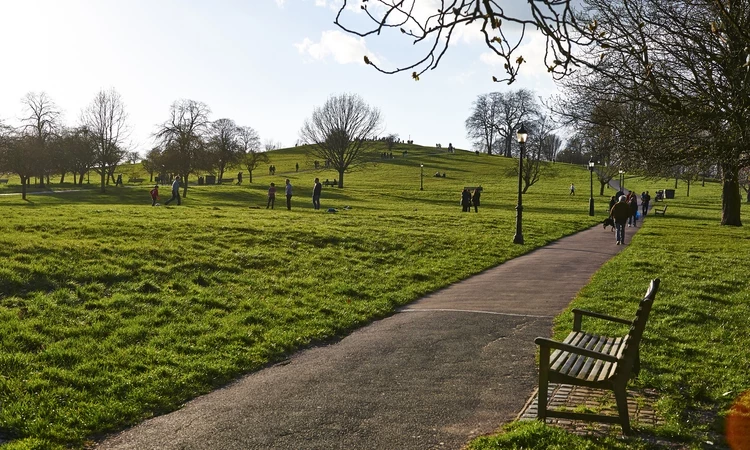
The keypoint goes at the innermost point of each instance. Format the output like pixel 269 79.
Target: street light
pixel 521 135
pixel 622 179
pixel 421 177
pixel 591 185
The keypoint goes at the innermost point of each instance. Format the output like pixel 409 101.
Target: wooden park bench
pixel 227 180
pixel 661 210
pixel 136 180
pixel 330 183
pixel 3 181
pixel 590 360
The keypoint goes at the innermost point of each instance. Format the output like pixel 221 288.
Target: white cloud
pixel 344 48
pixel 280 3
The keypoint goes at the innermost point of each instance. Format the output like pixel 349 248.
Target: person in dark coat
pixel 475 199
pixel 620 213
pixel 317 188
pixel 466 200
pixel 633 210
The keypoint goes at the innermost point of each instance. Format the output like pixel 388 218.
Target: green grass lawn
pixel 113 311
pixel 695 349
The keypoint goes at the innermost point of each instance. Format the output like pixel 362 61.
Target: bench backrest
pixel 633 339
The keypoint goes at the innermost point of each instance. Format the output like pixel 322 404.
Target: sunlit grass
pixel 112 311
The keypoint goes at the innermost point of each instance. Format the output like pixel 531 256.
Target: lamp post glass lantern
pixel 591 187
pixel 521 135
pixel 421 177
pixel 622 179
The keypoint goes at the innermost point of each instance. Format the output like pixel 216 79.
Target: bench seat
pixel 661 211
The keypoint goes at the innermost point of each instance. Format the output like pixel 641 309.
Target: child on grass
pixel 155 195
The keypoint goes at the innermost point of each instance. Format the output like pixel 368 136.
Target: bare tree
pixel 390 141
pixel 481 124
pixel 19 154
pixel 339 132
pixel 183 138
pixel 252 157
pixel 270 145
pixel 224 147
pixel 41 120
pixel 106 122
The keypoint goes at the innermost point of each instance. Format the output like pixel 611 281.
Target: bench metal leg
pixel 621 397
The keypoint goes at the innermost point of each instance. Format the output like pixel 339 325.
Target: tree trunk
pixel 104 180
pixel 250 175
pixel 341 178
pixel 731 200
pixel 184 188
pixel 62 178
pixel 23 186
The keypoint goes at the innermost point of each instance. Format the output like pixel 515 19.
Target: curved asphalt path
pixel 446 368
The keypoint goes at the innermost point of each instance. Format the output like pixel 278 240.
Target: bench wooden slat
pixel 581 361
pixel 561 356
pixel 591 362
pixel 603 366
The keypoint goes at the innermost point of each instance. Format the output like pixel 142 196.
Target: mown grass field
pixel 696 346
pixel 112 311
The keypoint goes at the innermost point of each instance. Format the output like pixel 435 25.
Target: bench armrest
pixel 578 313
pixel 545 343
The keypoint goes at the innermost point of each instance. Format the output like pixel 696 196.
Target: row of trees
pixel 187 142
pixel 42 145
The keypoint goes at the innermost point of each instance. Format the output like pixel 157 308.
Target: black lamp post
pixel 622 179
pixel 591 185
pixel 421 177
pixel 521 135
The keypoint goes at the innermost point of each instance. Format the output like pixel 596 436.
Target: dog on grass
pixel 608 222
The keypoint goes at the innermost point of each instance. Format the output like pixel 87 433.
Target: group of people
pixel 469 199
pixel 623 209
pixel 175 193
pixel 317 189
pixel 272 170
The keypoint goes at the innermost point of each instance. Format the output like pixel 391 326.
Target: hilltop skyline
pixel 265 65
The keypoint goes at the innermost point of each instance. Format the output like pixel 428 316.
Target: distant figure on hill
pixel 317 188
pixel 239 178
pixel 119 180
pixel 271 196
pixel 475 199
pixel 288 192
pixel 465 200
pixel 572 189
pixel 175 191
pixel 450 148
pixel 154 195
pixel 296 167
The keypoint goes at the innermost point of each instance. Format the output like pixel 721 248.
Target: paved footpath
pixel 448 367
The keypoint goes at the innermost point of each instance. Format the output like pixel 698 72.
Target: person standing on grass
pixel 154 195
pixel 271 196
pixel 288 194
pixel 475 199
pixel 620 213
pixel 317 188
pixel 175 191
pixel 572 189
pixel 633 210
pixel 465 200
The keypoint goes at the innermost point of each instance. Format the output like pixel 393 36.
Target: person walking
pixel 633 211
pixel 475 199
pixel 465 200
pixel 612 201
pixel 645 200
pixel 296 167
pixel 175 191
pixel 288 194
pixel 317 188
pixel 154 195
pixel 572 189
pixel 271 196
pixel 620 213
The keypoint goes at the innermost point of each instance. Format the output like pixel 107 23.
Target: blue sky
pixel 263 63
